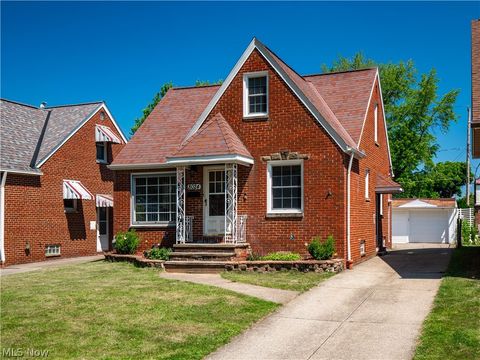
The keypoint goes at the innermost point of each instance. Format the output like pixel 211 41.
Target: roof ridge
pixel 279 58
pixel 20 103
pixel 194 86
pixel 222 123
pixel 340 72
pixel 79 104
pixel 183 144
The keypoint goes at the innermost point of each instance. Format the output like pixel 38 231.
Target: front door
pixel 102 229
pixel 214 201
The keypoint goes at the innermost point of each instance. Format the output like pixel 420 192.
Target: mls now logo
pixel 20 352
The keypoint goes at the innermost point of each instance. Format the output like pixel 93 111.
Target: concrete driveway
pixel 374 311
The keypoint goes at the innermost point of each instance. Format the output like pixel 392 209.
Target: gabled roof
pixel 441 203
pixel 216 137
pixel 386 185
pixel 183 111
pixel 30 135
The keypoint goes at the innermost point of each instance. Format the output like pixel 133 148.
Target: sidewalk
pixel 22 268
pixel 269 294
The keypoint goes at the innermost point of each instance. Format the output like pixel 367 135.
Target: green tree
pixel 156 99
pixel 414 112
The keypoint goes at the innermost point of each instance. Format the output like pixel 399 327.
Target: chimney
pixel 43 104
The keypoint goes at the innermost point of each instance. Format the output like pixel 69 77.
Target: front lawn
pixel 114 310
pixel 286 280
pixel 452 330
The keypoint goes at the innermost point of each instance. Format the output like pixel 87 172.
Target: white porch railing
pixel 189 228
pixel 242 229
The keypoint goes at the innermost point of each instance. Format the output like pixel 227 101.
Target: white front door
pixel 102 229
pixel 214 201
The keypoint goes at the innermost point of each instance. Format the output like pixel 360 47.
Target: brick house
pixel 56 188
pixel 269 158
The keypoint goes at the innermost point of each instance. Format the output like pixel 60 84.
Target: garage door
pixel 428 226
pixel 400 227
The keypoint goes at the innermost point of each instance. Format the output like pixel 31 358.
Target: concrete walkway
pixel 372 312
pixel 269 294
pixel 22 268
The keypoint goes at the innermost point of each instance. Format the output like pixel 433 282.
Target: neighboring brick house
pixel 270 157
pixel 56 188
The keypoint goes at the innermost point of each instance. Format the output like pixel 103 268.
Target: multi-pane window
pixel 101 151
pixel 216 193
pixel 256 96
pixel 52 250
pixel 286 187
pixel 154 198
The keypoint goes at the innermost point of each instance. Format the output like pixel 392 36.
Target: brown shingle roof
pixel 162 133
pixel 347 94
pixel 386 185
pixel 215 137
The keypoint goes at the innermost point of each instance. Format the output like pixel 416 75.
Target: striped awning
pixel 105 134
pixel 103 200
pixel 73 189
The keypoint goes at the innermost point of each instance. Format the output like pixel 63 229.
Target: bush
pixel 158 254
pixel 281 256
pixel 322 251
pixel 127 242
pixel 253 257
pixel 469 234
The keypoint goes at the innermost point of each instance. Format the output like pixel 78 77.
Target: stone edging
pixel 333 265
pixel 136 260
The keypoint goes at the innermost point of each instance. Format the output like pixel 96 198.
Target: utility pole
pixel 468 157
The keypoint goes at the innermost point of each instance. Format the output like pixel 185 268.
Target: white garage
pixel 424 221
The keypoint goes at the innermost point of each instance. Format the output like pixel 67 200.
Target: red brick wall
pixel 34 210
pixel 290 127
pixel 377 161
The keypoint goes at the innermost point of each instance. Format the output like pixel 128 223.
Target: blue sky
pixel 123 52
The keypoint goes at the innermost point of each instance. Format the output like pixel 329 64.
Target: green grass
pixel 452 330
pixel 286 280
pixel 114 310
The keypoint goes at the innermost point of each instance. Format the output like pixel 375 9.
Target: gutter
pixel 2 216
pixel 349 170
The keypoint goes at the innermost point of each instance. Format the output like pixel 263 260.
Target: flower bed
pixel 333 265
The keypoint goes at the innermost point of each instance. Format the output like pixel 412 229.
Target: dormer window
pixel 255 94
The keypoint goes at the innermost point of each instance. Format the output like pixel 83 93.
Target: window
pixel 375 123
pixel 70 205
pixel 154 199
pixel 101 152
pixel 285 186
pixel 52 250
pixel 367 180
pixel 380 204
pixel 255 97
pixel 362 248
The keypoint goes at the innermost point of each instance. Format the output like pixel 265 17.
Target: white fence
pixel 467 215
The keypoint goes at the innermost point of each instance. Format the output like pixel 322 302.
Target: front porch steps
pixel 204 258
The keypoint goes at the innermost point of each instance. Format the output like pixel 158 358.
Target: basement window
pixel 362 248
pixel 52 250
pixel 255 94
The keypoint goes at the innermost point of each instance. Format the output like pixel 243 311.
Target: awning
pixel 105 134
pixel 73 189
pixel 387 186
pixel 103 200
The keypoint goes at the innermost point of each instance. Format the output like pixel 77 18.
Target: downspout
pixel 349 170
pixel 2 216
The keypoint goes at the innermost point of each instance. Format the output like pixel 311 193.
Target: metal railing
pixel 241 229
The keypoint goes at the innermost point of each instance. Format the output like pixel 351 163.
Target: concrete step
pixel 203 267
pixel 202 255
pixel 200 247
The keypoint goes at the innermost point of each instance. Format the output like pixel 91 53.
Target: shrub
pixel 281 256
pixel 322 251
pixel 469 234
pixel 253 257
pixel 127 242
pixel 158 254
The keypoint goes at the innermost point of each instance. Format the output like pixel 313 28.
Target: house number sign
pixel 194 187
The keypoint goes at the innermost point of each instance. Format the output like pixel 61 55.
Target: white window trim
pixel 380 204
pixel 246 76
pixel 132 202
pixel 105 155
pixel 367 184
pixel 270 209
pixel 375 123
pixel 57 247
pixel 73 209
